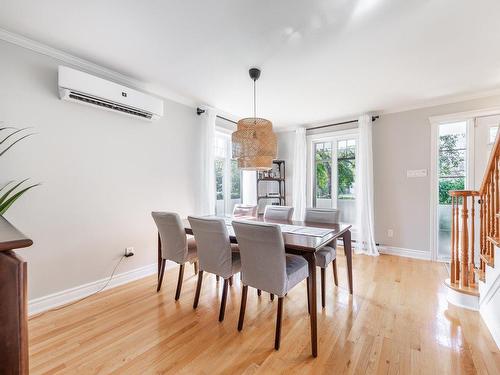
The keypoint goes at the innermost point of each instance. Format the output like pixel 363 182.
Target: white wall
pixel 102 174
pixel 401 141
pixel 286 149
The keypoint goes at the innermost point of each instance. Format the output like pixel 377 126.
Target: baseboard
pixel 402 252
pixel 50 301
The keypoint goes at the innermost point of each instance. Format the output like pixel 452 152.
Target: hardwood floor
pixel 398 321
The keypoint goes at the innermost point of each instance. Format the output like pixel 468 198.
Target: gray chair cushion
pixel 214 249
pixel 296 270
pixel 325 256
pixel 244 210
pixel 174 244
pixel 278 212
pixel 264 264
pixel 322 215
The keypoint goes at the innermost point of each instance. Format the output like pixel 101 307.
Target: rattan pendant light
pixel 254 143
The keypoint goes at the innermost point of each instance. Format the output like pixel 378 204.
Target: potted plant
pixel 12 190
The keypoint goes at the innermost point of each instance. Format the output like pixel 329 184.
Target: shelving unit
pixel 270 181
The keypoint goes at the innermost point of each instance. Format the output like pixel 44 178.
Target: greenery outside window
pixel 452 160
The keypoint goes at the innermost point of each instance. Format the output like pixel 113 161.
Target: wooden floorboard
pixel 397 322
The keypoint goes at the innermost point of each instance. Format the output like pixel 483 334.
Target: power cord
pixel 84 298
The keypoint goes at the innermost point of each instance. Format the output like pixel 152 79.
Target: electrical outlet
pixel 390 233
pixel 129 251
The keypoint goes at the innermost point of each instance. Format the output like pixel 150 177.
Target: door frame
pixel 435 121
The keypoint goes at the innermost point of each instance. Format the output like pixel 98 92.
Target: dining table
pixel 304 238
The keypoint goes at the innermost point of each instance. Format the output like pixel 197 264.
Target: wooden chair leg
pixel 231 281
pixel 308 297
pixel 159 256
pixel 223 301
pixel 279 317
pixel 259 292
pixel 198 289
pixel 160 276
pixel 323 287
pixel 195 264
pixel 179 282
pixel 272 297
pixel 243 307
pixel 335 278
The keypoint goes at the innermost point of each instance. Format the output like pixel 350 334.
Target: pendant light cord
pixel 254 103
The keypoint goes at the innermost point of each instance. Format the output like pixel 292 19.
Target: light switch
pixel 414 173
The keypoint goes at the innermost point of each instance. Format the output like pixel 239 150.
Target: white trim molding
pixel 403 252
pixel 91 67
pixel 38 305
pixel 467 301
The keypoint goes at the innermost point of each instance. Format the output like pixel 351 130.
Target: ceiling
pixel 320 59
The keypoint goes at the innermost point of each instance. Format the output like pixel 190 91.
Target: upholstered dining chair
pixel 244 210
pixel 273 212
pixel 327 254
pixel 266 266
pixel 215 253
pixel 173 245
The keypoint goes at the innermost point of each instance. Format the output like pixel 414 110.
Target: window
pixel 452 159
pixel 493 134
pixel 227 176
pixel 334 175
pixel 323 162
pixel 346 162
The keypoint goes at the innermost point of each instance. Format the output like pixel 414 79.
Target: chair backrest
pixel 213 246
pixel 278 212
pixel 244 210
pixel 262 252
pixel 172 235
pixel 322 215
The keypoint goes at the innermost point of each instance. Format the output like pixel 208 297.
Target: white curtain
pixel 299 175
pixel 365 238
pixel 207 132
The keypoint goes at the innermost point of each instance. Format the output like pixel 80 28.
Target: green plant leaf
pixel 11 134
pixel 6 184
pixel 12 144
pixel 11 200
pixel 5 196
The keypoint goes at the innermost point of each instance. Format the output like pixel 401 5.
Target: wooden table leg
pixel 311 260
pixel 348 255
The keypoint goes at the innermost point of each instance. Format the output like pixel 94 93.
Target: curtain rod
pixel 339 123
pixel 199 111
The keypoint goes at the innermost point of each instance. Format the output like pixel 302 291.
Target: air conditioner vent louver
pixel 109 105
pixel 84 88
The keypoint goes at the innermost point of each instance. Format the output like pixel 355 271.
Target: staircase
pixel 471 286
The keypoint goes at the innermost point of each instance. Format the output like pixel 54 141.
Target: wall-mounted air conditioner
pixel 85 88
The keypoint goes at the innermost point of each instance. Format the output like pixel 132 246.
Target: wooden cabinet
pixel 13 301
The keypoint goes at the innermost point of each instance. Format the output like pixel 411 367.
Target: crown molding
pixel 91 67
pixel 452 99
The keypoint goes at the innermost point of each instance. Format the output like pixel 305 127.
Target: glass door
pixel 334 175
pixel 452 175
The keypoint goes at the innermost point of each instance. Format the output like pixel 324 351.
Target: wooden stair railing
pixel 462 274
pixel 462 241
